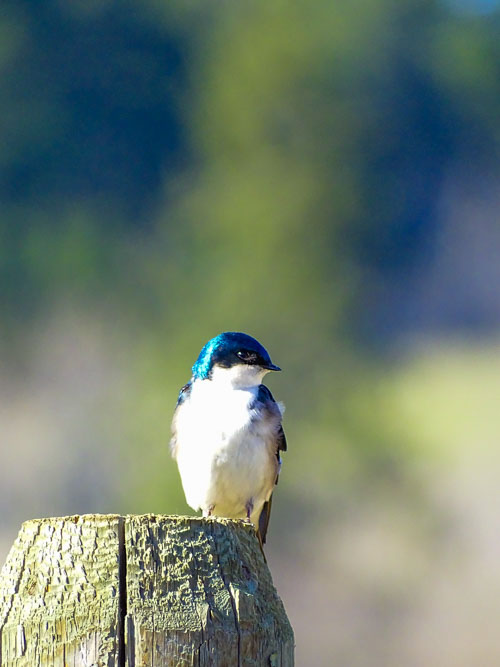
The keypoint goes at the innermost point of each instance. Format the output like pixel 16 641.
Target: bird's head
pixel 234 357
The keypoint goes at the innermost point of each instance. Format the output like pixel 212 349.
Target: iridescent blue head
pixel 230 349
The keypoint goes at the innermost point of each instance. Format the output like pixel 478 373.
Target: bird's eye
pixel 247 356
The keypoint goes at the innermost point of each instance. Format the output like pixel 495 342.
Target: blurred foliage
pixel 321 175
pixel 302 145
pixel 186 168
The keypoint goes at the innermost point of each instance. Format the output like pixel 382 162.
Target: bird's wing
pixel 183 394
pixel 280 444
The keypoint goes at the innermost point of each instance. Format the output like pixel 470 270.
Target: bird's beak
pixel 272 367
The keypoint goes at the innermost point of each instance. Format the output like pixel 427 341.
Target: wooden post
pixel 106 590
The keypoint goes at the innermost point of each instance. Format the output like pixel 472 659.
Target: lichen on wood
pixel 59 593
pixel 141 590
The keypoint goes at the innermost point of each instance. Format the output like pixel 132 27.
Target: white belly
pixel 224 457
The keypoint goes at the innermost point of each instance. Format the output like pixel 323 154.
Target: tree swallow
pixel 227 434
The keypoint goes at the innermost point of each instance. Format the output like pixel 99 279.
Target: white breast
pixel 225 457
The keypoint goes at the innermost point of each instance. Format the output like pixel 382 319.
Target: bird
pixel 227 433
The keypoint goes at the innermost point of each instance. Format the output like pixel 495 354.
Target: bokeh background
pixel 322 175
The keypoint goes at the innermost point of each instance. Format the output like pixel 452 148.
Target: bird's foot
pixel 208 512
pixel 249 509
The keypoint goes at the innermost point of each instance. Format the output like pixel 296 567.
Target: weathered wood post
pixel 106 590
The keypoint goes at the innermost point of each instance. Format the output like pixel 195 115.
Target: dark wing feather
pixel 264 517
pixel 183 394
pixel 281 440
pixel 281 446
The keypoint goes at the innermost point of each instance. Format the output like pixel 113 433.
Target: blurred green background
pixel 323 176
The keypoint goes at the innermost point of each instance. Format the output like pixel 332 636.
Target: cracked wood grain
pixel 104 590
pixel 59 594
